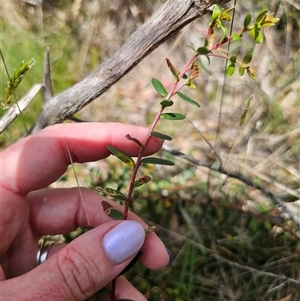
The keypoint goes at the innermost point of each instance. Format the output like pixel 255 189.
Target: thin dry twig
pixel 47 85
pixel 289 211
pixel 18 107
pixel 211 253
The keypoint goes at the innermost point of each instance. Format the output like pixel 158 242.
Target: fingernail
pixel 123 241
pixel 171 257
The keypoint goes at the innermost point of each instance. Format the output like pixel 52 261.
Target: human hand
pixel 30 211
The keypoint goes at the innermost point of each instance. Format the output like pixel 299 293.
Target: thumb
pixel 85 265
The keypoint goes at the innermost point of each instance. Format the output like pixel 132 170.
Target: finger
pixel 55 211
pixel 125 290
pixel 40 159
pixel 82 267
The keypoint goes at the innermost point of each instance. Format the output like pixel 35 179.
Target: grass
pixel 230 240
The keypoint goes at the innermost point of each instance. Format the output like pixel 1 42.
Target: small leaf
pixel 261 17
pixel 173 116
pixel 161 136
pixel 241 70
pixel 247 58
pixel 189 100
pixel 121 156
pixel 205 42
pixel 150 229
pixel 166 103
pixel 230 70
pixel 225 32
pixel 259 38
pixel 159 161
pixel 191 86
pixel 191 47
pixel 244 113
pixel 236 37
pixel 251 72
pixel 141 181
pixel 233 59
pixel 247 20
pixel 112 211
pixel 215 15
pixel 255 34
pixel 202 51
pixel 138 142
pixel 225 16
pixel 159 88
pixel 172 69
pixel 269 21
pixel 203 67
pixel 111 192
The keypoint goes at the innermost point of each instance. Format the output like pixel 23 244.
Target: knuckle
pixel 77 273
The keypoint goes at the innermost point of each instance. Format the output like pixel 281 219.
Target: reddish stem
pixel 113 290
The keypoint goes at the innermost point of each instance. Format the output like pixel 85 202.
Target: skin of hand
pixel 29 211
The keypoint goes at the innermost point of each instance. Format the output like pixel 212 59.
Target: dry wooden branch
pixel 18 107
pixel 168 20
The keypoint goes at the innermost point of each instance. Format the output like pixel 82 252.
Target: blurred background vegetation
pixel 231 241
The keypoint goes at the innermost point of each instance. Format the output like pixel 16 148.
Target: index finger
pixel 40 159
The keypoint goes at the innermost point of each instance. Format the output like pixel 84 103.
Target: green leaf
pixel 112 211
pixel 159 161
pixel 261 16
pixel 230 70
pixel 236 37
pixel 202 51
pixel 121 156
pixel 255 34
pixel 244 113
pixel 187 99
pixel 159 88
pixel 166 103
pixel 247 58
pixel 215 15
pixel 233 59
pixel 225 32
pixel 173 116
pixel 141 181
pixel 111 192
pixel 161 136
pixel 191 47
pixel 241 70
pixel 247 20
pixel 259 38
pixel 203 67
pixel 191 85
pixel 251 72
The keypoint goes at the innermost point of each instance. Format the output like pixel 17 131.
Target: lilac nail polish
pixel 123 241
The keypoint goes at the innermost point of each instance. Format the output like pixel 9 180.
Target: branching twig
pixel 289 211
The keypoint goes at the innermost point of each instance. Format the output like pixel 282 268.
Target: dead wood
pixel 168 20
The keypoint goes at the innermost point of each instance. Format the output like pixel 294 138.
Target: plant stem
pixel 113 290
pixel 138 163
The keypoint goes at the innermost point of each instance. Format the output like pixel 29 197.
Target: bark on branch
pixel 168 20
